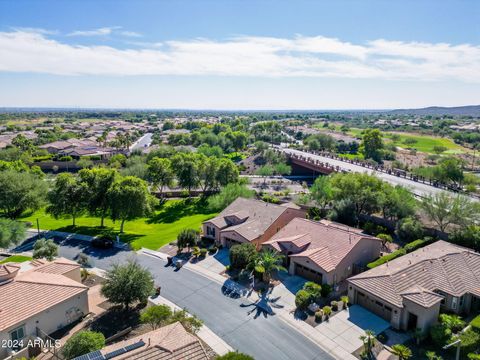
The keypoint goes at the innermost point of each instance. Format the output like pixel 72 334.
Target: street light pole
pixel 38 227
pixel 457 343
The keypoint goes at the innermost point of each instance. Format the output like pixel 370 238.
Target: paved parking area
pixel 345 328
pixel 216 263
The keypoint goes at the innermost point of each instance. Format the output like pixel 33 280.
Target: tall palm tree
pixel 401 351
pixel 267 262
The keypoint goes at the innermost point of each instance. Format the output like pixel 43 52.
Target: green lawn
pixel 16 259
pixel 426 143
pixel 152 233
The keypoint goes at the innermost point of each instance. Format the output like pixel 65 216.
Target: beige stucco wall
pixel 51 320
pixel 426 317
pixel 327 278
pixel 364 251
pixel 74 274
pixel 217 231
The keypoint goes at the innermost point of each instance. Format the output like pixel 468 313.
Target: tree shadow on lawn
pixel 100 231
pixel 172 212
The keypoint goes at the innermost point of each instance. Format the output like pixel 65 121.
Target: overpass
pixel 326 164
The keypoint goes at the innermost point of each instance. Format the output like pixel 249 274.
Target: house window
pixel 461 300
pixel 18 333
pixel 454 303
pixel 210 231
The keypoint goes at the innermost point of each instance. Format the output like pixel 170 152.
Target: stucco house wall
pixel 364 252
pixel 50 320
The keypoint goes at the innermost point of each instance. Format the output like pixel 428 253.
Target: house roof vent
pixel 7 272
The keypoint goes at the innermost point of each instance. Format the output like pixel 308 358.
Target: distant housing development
pixel 412 290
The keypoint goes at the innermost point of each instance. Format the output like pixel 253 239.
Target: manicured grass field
pixel 426 143
pixel 152 233
pixel 16 259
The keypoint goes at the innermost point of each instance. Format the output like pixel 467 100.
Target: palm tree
pixel 401 351
pixel 368 341
pixel 267 262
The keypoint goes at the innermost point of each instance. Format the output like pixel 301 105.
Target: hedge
pixel 414 245
pixel 475 323
pixel 384 259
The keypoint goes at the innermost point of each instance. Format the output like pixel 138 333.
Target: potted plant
pixel 203 252
pixel 319 316
pixel 345 301
pixel 327 311
pixel 334 305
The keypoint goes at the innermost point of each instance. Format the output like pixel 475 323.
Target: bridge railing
pixel 394 172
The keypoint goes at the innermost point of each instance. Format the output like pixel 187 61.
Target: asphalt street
pixel 236 320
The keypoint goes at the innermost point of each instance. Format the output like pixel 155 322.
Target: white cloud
pixel 104 31
pixel 300 56
pixel 130 34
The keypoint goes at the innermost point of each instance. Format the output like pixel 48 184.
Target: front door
pixel 412 321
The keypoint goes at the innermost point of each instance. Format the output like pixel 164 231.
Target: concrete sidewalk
pixel 207 335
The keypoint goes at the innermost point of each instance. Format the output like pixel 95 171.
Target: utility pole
pixel 38 228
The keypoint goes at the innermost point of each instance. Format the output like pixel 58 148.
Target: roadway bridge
pixel 322 163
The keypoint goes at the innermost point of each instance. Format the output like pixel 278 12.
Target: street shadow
pixel 264 306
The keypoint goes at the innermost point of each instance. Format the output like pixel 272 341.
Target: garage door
pixel 374 306
pixel 308 273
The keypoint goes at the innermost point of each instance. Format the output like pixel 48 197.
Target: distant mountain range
pixel 471 110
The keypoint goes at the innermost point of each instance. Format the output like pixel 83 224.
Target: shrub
pixel 440 334
pixel 302 299
pixel 452 322
pixel 241 255
pixel 475 323
pixel 318 315
pixel 414 245
pixel 384 259
pixel 234 356
pixel 314 289
pixel 470 341
pixel 409 229
pixel 327 311
pixel 82 343
pixel 196 251
pixel 345 300
pixel 203 252
pixel 65 158
pixel 156 315
pixel 326 290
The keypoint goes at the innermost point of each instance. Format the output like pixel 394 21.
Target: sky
pixel 239 55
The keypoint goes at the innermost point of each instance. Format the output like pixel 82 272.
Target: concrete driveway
pixel 344 329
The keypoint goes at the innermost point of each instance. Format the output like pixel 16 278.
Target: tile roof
pixel 171 342
pixel 58 266
pixel 324 242
pixel 255 217
pixel 439 266
pixel 32 292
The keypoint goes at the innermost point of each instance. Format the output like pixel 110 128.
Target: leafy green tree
pixel 401 351
pixel 363 190
pixel 156 315
pixel 85 163
pixel 187 238
pixel 438 149
pixel 466 236
pixel 98 182
pixel 264 171
pixel 282 169
pixel 128 283
pixel 67 197
pixel 20 191
pixel 451 170
pixel 11 232
pixel 207 170
pixel 129 199
pixel 45 249
pixel 302 299
pixel 397 202
pixel 227 172
pixel 82 343
pixel 234 355
pixel 239 140
pixel 321 192
pixel 372 144
pixel 189 321
pixel 241 255
pixel 186 168
pixel 160 173
pixel 409 229
pixel 445 209
pixel 24 144
pixel 266 262
pixel 229 194
pixel 386 239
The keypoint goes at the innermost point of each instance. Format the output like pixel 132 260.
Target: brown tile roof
pixel 8 269
pixel 32 292
pixel 58 266
pixel 255 216
pixel 440 266
pixel 171 342
pixel 325 243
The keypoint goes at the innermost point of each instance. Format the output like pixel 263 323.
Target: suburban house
pixel 248 220
pixel 412 290
pixel 171 342
pixel 37 299
pixel 324 251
